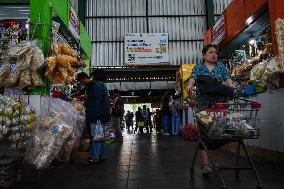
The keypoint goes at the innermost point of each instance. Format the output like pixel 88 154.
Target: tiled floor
pixel 149 161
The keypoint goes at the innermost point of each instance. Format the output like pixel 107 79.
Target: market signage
pixel 74 25
pixel 218 30
pixel 146 48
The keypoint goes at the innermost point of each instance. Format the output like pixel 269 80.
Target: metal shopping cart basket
pixel 221 121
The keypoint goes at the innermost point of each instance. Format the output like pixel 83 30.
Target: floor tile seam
pixel 128 171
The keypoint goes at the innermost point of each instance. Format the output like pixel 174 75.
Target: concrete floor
pixel 149 161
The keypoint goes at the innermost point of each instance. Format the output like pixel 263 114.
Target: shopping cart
pixel 221 121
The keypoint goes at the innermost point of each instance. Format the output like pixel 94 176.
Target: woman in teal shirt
pixel 210 67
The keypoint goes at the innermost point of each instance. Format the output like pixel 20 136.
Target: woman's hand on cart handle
pixel 190 86
pixel 230 83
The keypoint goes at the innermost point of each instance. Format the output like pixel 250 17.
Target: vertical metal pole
pixel 147 16
pixel 209 13
pixel 82 6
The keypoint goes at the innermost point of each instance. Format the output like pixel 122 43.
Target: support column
pixel 82 10
pixel 41 22
pixel 209 13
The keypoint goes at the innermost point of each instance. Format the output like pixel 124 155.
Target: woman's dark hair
pixel 206 48
pixel 99 75
pixel 82 75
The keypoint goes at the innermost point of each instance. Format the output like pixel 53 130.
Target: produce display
pixel 19 68
pixel 279 26
pixel 60 67
pixel 58 124
pixel 17 119
pixel 267 73
pixel 12 33
pixel 223 125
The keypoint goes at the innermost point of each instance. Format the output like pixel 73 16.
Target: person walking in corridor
pixel 117 112
pixel 165 111
pixel 175 111
pixel 140 122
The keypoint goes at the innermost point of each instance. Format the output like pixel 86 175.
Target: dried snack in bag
pixel 25 79
pixel 51 63
pixel 73 61
pixel 71 72
pixel 4 73
pixel 49 74
pixel 37 59
pixel 63 72
pixel 57 79
pixel 57 48
pixel 15 121
pixel 257 71
pixel 13 78
pixel 36 80
pixel 19 49
pixel 63 61
pixel 67 50
pixel 68 79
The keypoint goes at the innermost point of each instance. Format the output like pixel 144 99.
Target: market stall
pixel 251 45
pixel 181 82
pixel 39 58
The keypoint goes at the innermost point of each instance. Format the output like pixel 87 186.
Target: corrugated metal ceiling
pixel 185 20
pixel 14 12
pixel 220 5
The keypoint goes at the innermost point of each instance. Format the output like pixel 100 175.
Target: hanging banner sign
pixel 74 25
pixel 146 48
pixel 218 30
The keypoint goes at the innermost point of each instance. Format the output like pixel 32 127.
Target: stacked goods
pixel 11 34
pixel 279 26
pixel 59 67
pixel 225 126
pixel 73 140
pixel 268 72
pixel 19 68
pixel 244 69
pixel 58 119
pixel 16 120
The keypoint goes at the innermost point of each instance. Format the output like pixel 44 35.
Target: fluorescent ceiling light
pixel 252 41
pixel 249 20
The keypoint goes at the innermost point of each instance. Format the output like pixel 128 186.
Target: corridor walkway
pixel 149 161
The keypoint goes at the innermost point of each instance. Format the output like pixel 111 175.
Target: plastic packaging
pixel 4 73
pixel 57 79
pixel 57 121
pixel 14 119
pixel 36 80
pixel 63 73
pixel 37 59
pixel 25 79
pixel 51 63
pixel 63 61
pixel 268 72
pixel 13 78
